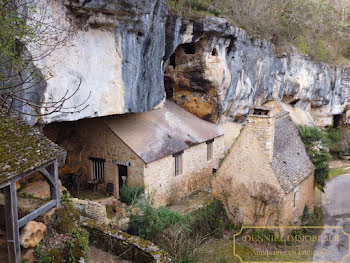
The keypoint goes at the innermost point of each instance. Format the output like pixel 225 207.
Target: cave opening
pixel 176 60
pixel 338 120
pixel 189 48
pixel 172 61
pixel 294 103
pixel 215 52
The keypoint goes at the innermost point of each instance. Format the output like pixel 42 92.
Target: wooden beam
pixel 48 177
pixel 12 229
pixel 52 175
pixel 41 210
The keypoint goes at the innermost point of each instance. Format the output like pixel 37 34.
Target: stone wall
pixel 231 131
pixel 250 190
pixel 92 138
pixel 165 188
pixel 304 197
pixel 99 141
pixel 264 127
pixel 246 173
pixel 125 245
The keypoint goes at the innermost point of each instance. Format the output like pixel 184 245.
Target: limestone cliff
pixel 127 53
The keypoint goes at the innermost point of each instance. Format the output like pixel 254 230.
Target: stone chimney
pixel 263 124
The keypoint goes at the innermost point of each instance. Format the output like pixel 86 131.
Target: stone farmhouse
pixel 267 179
pixel 169 151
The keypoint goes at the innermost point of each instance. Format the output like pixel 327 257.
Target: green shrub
pixel 322 50
pixel 77 246
pixel 306 215
pixel 67 219
pixel 180 234
pixel 210 220
pixel 333 135
pixel 302 45
pixel 309 219
pixel 316 143
pixel 312 134
pixel 74 247
pixel 130 194
pixel 154 220
pixel 66 197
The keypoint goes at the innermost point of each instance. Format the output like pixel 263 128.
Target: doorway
pixel 123 175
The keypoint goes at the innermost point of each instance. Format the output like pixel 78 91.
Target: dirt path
pixel 336 212
pixel 97 255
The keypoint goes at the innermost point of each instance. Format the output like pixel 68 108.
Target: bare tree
pixel 27 37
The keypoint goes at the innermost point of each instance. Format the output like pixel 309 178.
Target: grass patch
pixel 221 251
pixel 333 172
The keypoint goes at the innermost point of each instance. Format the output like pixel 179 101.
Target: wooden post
pixel 54 188
pixel 12 229
pixel 51 176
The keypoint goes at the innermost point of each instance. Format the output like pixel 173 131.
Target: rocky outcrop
pixel 92 210
pixel 112 55
pixel 222 72
pixel 32 233
pixel 119 54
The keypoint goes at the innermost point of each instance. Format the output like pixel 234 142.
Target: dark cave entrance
pixel 338 121
pixel 182 54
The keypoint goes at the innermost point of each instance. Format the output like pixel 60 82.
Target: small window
pixel 261 112
pixel 98 166
pixel 209 149
pixel 295 198
pixel 178 163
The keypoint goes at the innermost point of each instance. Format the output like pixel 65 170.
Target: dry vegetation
pixel 319 28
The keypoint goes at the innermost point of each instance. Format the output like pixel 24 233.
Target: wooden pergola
pixel 24 151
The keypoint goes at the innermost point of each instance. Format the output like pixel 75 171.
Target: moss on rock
pixel 67 219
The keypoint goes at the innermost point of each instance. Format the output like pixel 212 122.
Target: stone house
pixel 169 151
pixel 267 178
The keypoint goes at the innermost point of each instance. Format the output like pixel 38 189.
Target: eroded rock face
pixel 112 56
pixel 32 233
pixel 120 53
pixel 223 72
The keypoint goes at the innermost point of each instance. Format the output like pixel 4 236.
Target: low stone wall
pixel 125 245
